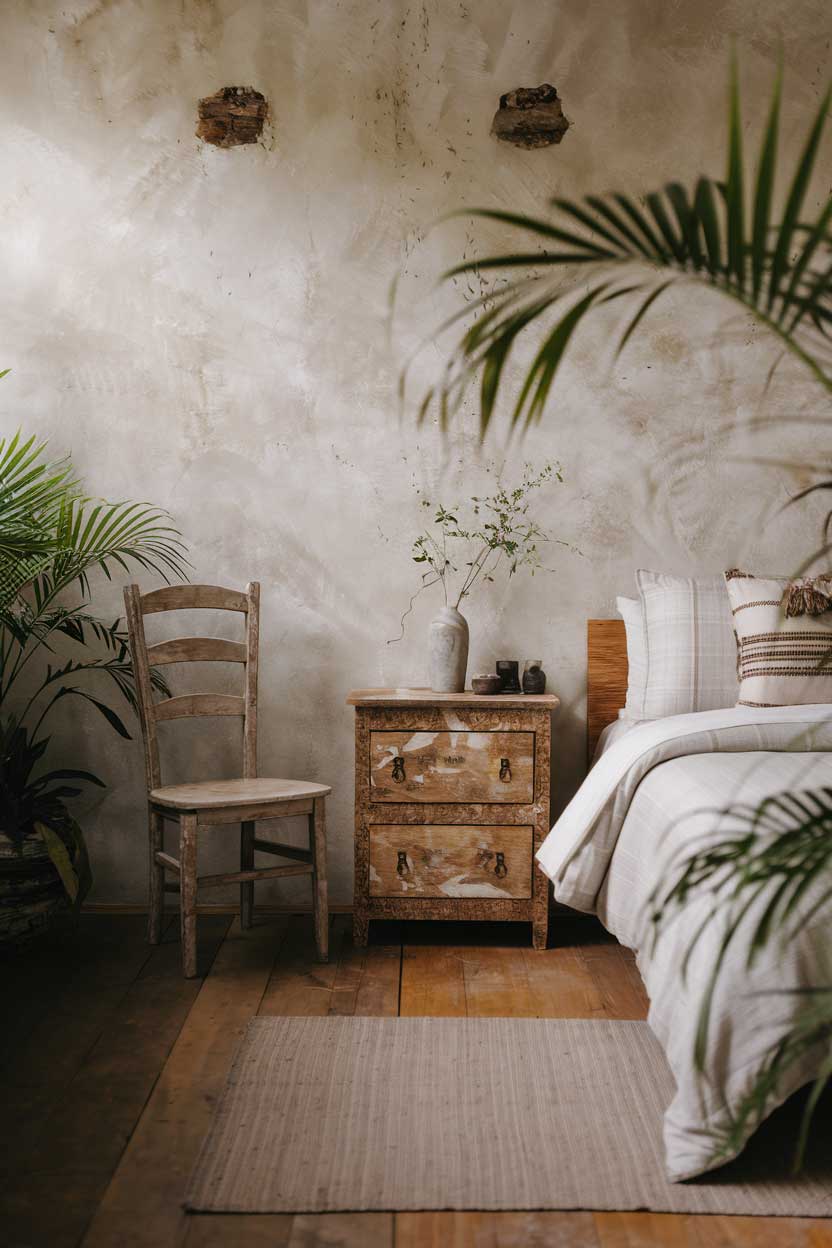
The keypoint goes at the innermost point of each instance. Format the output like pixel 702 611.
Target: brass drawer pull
pixel 401 866
pixel 505 771
pixel 398 770
pixel 500 868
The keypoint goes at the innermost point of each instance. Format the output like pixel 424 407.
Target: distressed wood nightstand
pixel 451 803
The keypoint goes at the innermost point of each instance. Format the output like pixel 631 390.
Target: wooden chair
pixel 242 801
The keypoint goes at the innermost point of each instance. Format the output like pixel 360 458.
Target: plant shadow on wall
pixel 611 249
pixel 52 648
pixel 495 533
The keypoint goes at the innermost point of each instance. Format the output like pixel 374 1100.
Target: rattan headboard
pixel 606 676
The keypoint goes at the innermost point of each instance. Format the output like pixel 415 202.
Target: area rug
pixel 328 1114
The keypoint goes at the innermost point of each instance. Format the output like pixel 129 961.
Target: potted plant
pixel 497 533
pixel 52 644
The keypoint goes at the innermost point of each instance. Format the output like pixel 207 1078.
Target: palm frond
pixel 779 272
pixel 767 875
pixel 32 490
pixel 94 533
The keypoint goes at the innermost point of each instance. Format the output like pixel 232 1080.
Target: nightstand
pixel 451 803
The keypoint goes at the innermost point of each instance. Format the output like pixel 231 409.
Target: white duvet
pixel 644 802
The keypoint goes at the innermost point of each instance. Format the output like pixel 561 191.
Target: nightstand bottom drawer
pixel 451 860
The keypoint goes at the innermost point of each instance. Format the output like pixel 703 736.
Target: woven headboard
pixel 606 676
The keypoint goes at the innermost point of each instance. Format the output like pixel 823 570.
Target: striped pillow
pixel 784 634
pixel 691 652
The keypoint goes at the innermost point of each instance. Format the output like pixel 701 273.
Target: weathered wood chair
pixel 243 801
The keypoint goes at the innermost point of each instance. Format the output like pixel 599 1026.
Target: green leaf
pixel 705 208
pixel 660 252
pixel 688 223
pixel 734 190
pixel 542 372
pixel 636 246
pixel 68 773
pixel 109 714
pixel 536 226
pixel 794 202
pixel 762 197
pixel 521 259
pixel 61 860
pixel 640 313
pixel 819 284
pixel 674 242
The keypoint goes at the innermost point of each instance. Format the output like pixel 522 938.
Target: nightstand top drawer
pixel 426 697
pixel 469 767
pixel 450 861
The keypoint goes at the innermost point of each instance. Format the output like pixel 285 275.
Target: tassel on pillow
pixel 805 597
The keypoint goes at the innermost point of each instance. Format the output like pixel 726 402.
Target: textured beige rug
pixel 324 1114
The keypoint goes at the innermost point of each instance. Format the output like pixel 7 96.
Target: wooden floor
pixel 112 1065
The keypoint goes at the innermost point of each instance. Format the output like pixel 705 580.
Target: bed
pixel 651 792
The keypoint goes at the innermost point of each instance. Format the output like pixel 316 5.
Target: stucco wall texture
pixel 210 330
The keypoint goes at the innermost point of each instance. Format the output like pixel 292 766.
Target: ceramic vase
pixel 448 651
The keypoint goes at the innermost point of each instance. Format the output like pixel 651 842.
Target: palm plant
pixel 602 249
pixel 52 538
pixel 607 248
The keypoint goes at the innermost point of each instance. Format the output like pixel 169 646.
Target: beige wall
pixel 208 329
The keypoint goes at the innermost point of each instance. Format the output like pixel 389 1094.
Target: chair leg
pixel 156 902
pixel 246 864
pixel 187 893
pixel 317 843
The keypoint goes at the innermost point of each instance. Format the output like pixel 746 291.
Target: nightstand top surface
pixel 427 697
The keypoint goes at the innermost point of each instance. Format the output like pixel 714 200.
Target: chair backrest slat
pixel 195 704
pixel 193 598
pixel 197 650
pixel 190 650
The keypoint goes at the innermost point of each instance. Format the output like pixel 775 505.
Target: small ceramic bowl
pixel 486 684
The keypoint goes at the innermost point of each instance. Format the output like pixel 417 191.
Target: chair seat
pixel 215 794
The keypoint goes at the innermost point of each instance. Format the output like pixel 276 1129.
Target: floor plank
pixel 366 980
pixel 668 1230
pixel 142 1207
pixel 78 1121
pixel 433 982
pixel 231 1230
pixel 341 1230
pixel 495 1230
pixel 496 983
pixel 71 985
pixel 561 984
pixel 634 1229
pixel 613 972
pixel 299 985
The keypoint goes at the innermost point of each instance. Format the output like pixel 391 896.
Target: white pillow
pixel 631 612
pixel 691 650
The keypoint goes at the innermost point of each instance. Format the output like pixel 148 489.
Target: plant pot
pixel 32 896
pixel 448 651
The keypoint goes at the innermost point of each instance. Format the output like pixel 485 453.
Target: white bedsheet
pixel 613 844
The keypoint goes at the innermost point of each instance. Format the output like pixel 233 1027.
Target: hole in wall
pixel 233 115
pixel 530 117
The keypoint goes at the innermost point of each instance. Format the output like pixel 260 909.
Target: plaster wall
pixel 210 329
